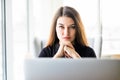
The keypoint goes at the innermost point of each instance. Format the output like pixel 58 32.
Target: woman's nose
pixel 66 31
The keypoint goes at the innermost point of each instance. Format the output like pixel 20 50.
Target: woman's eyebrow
pixel 60 23
pixel 72 25
pixel 69 25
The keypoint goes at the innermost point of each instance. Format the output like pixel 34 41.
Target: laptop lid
pixel 72 69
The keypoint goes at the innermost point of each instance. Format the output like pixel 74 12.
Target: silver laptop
pixel 72 69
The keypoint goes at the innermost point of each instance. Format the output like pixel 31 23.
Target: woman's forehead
pixel 65 20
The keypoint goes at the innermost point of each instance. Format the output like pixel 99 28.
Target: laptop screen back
pixel 71 69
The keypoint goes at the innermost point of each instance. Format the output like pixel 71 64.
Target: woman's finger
pixel 67 55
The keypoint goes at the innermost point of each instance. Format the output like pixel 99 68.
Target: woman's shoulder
pixel 49 51
pixel 89 51
pixel 45 51
pixel 85 51
pixel 88 47
pixel 51 47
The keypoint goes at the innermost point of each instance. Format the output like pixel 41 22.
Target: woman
pixel 67 37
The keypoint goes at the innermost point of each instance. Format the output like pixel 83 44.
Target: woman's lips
pixel 66 38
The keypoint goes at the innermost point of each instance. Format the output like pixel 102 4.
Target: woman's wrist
pixel 71 52
pixel 59 52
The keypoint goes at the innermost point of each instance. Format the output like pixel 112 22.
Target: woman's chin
pixel 66 41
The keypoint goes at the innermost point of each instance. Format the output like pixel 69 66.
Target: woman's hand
pixel 60 51
pixel 66 49
pixel 71 53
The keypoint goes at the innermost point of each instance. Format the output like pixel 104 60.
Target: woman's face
pixel 65 29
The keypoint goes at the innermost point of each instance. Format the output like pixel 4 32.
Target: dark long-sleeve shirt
pixel 83 51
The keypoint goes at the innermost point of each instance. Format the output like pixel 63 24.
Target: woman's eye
pixel 72 26
pixel 61 27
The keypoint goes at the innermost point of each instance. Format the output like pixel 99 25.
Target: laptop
pixel 72 69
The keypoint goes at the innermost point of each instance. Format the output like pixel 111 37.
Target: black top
pixel 83 51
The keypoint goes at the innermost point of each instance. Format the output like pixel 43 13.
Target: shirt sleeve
pixel 43 53
pixel 46 52
pixel 90 52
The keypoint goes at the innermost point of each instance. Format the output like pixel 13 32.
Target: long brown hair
pixel 80 36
